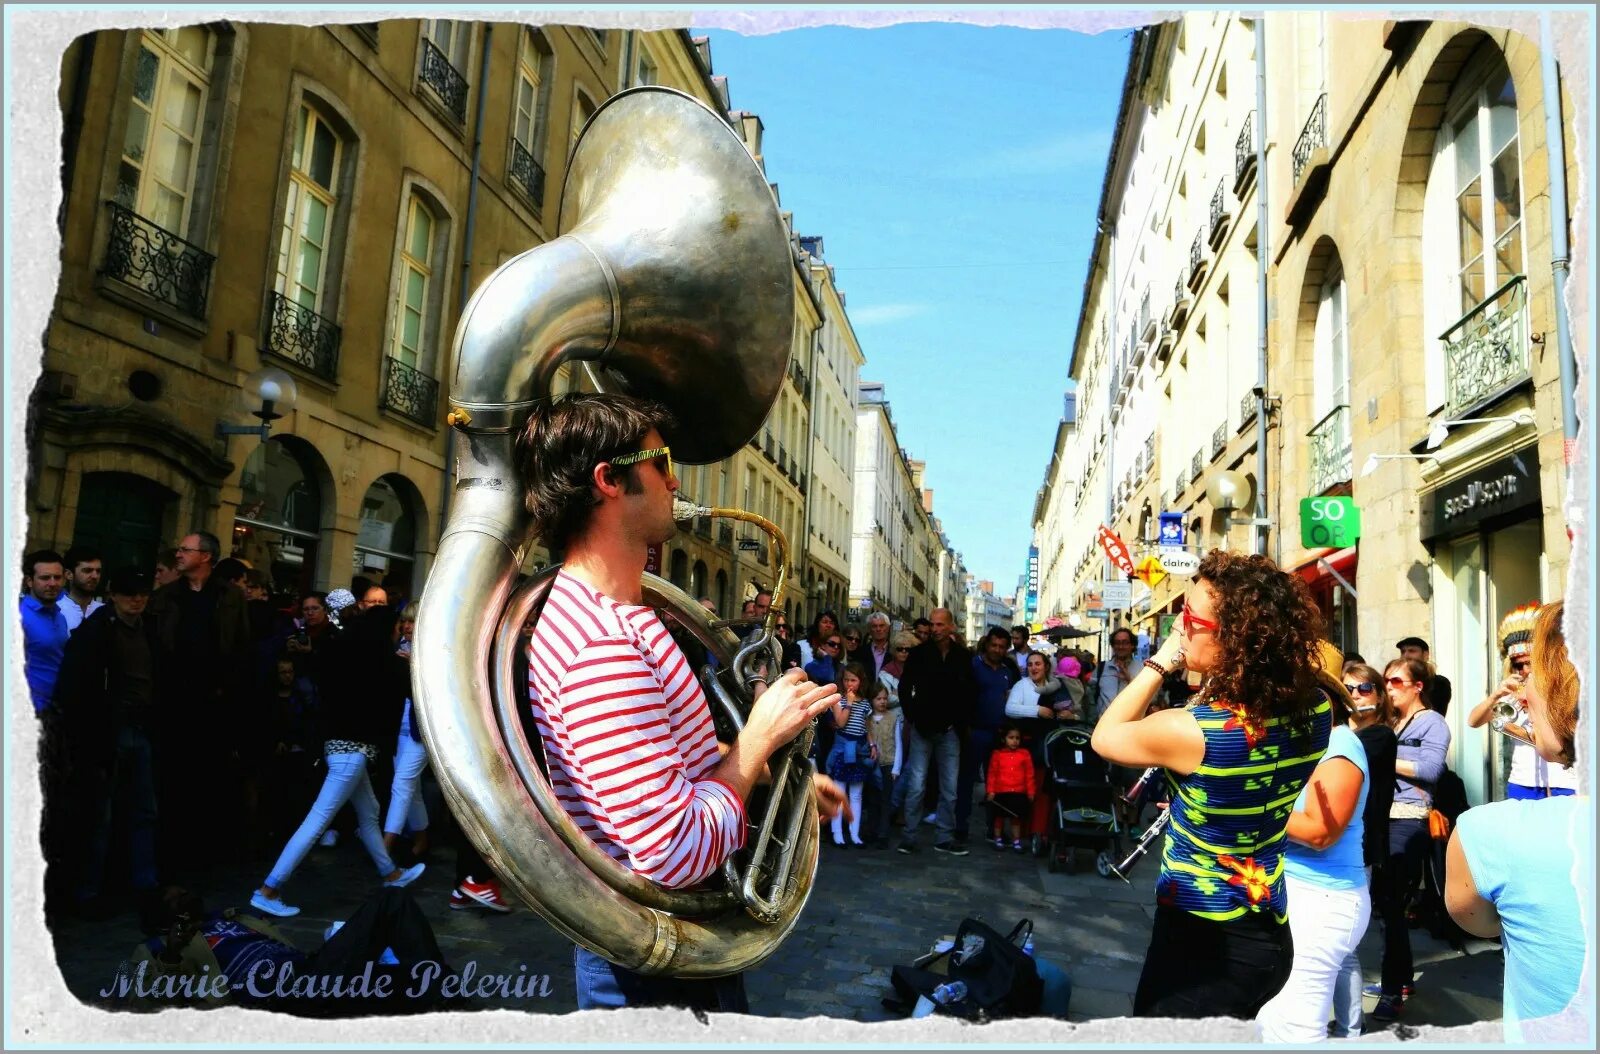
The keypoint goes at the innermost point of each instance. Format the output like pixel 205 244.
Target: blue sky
pixel 953 172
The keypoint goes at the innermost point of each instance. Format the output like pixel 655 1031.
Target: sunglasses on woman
pixel 1396 682
pixel 1364 688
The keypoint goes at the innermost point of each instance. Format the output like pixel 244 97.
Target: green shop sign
pixel 1329 523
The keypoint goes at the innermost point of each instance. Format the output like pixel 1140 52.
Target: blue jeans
pixel 347 781
pixel 406 808
pixel 606 986
pixel 974 752
pixel 133 763
pixel 945 751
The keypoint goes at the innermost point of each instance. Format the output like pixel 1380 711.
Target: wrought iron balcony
pixel 1219 440
pixel 1180 484
pixel 1149 453
pixel 1312 136
pixel 1197 464
pixel 528 173
pixel 1221 218
pixel 409 392
pixel 1330 449
pixel 157 262
pixel 1486 351
pixel 770 448
pixel 1180 304
pixel 1247 409
pixel 303 337
pixel 1244 152
pixel 445 80
pixel 1147 325
pixel 1197 258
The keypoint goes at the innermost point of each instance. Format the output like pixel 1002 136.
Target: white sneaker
pixel 408 876
pixel 330 838
pixel 272 906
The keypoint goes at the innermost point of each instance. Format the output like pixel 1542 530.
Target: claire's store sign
pixel 1506 485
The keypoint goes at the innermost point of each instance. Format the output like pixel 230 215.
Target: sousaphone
pixel 673 282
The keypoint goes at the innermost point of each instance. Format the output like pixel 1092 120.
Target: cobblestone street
pixel 870 910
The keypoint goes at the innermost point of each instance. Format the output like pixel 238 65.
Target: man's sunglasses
pixel 1364 688
pixel 1522 664
pixel 646 455
pixel 830 644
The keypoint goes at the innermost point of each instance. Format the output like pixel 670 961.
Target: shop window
pixel 386 541
pixel 278 527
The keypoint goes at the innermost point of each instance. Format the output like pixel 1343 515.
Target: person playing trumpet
pixel 1523 870
pixel 632 751
pixel 1530 776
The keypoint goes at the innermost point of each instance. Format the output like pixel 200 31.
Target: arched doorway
pixel 386 543
pixel 123 516
pixel 678 574
pixel 697 580
pixel 278 527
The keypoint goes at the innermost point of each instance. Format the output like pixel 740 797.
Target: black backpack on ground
pixel 1002 980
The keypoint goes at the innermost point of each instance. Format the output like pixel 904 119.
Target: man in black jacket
pixel 108 702
pixel 937 696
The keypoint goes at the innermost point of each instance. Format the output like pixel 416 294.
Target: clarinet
pixel 1151 835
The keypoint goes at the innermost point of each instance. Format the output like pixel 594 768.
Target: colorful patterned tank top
pixel 1223 857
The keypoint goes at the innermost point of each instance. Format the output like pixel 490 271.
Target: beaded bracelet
pixel 1156 666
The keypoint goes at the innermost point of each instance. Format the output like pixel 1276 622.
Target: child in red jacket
pixel 1010 787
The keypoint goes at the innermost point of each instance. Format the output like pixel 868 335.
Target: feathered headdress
pixel 1516 629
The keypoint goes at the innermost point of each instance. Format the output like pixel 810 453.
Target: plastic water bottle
pixel 950 992
pixel 1027 946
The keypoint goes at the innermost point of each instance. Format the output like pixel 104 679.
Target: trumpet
pixel 1151 835
pixel 1503 719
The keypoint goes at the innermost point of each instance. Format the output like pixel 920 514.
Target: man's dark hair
pixel 560 446
pixel 80 554
pixel 1014 629
pixel 229 571
pixel 359 586
pixel 922 622
pixel 209 545
pixel 1132 636
pixel 41 556
pixel 255 578
pixel 996 633
pixel 167 558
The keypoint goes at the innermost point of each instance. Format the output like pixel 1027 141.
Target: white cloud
pixel 879 314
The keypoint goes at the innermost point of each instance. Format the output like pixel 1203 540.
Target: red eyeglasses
pixel 1192 622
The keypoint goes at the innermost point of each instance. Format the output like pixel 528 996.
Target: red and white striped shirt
pixel 629 737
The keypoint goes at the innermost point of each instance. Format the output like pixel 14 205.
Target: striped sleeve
pixel 625 762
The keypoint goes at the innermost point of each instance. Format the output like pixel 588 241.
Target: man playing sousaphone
pixel 633 755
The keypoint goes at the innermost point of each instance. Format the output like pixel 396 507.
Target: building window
pixel 582 109
pixel 649 73
pixel 532 115
pixel 416 273
pixel 1473 240
pixel 309 212
pixel 1332 355
pixel 386 542
pixel 278 526
pixel 444 58
pixel 161 144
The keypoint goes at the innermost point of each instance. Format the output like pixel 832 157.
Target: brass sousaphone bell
pixel 672 281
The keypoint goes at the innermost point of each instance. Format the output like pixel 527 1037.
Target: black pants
pixel 976 746
pixel 388 919
pixel 1199 968
pixel 1409 845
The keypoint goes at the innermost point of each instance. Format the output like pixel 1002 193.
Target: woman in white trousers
pixel 1329 903
pixel 407 812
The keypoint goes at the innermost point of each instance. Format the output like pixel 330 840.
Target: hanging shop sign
pixel 1179 563
pixel 1506 485
pixel 1171 529
pixel 1117 596
pixel 1115 548
pixel 1329 523
pixel 1150 572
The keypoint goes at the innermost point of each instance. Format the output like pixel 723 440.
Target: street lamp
pixel 269 393
pixel 1441 431
pixel 1229 490
pixel 1371 464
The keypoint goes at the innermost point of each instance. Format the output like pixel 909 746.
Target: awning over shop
pixel 1322 564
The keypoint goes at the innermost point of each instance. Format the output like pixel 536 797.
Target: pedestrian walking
pixel 407 812
pixel 1220 945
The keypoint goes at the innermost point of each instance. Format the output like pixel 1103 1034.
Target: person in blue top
pixel 1236 761
pixel 1523 870
pixel 44 627
pixel 1329 902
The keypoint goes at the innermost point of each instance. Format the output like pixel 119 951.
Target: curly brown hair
pixel 1269 635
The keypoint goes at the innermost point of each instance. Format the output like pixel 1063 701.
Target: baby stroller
pixel 1081 817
